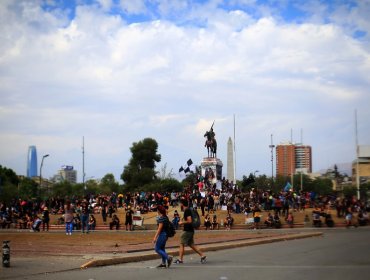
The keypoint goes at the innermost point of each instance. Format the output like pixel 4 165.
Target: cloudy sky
pixel 117 71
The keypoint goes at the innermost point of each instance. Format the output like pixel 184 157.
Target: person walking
pixel 160 237
pixel 68 217
pixel 187 237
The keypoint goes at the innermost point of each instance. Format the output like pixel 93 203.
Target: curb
pixel 205 248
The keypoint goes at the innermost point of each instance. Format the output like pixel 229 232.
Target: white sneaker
pixel 70 233
pixel 66 233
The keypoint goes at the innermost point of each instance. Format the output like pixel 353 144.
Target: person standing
pixel 187 237
pixel 104 211
pixel 128 216
pixel 256 216
pixel 45 219
pixel 68 217
pixel 85 216
pixel 160 237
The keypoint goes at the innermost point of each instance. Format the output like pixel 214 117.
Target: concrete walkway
pixel 23 266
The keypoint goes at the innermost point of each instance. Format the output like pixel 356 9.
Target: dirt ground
pixel 56 243
pixel 30 244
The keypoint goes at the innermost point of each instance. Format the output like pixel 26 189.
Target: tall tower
pixel 292 158
pixel 285 159
pixel 32 162
pixel 303 158
pixel 230 161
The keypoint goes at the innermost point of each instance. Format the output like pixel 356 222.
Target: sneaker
pixel 162 265
pixel 66 233
pixel 178 261
pixel 203 259
pixel 169 261
pixel 70 233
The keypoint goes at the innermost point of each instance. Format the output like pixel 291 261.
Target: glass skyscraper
pixel 32 162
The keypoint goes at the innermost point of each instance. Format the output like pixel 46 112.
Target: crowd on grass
pixel 204 195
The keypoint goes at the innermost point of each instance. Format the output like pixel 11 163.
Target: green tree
pixel 62 189
pixel 349 191
pixel 322 186
pixel 28 188
pixel 108 184
pixel 189 180
pixel 170 184
pixel 78 189
pixel 92 187
pixel 365 191
pixel 9 183
pixel 140 170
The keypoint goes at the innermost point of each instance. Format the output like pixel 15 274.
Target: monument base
pixel 214 165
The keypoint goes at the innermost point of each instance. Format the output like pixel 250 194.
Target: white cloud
pixel 133 6
pixel 117 83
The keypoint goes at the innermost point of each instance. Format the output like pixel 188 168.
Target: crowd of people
pixel 203 195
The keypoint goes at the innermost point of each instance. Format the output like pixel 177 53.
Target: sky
pixel 118 71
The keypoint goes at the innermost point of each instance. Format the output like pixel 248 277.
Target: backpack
pixel 170 229
pixel 195 218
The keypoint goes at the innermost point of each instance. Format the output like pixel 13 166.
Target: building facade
pixel 303 158
pixel 32 162
pixel 66 173
pixel 293 158
pixel 363 165
pixel 285 159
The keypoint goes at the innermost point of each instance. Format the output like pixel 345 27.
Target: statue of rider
pixel 210 135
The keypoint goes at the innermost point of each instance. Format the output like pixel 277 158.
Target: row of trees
pixel 322 186
pixel 140 174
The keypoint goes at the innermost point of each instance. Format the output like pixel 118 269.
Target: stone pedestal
pixel 213 164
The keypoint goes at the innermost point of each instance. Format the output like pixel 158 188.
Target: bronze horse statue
pixel 211 143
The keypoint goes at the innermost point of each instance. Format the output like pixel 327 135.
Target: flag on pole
pixel 288 187
pixel 188 167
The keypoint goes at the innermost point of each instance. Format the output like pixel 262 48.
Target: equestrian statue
pixel 211 142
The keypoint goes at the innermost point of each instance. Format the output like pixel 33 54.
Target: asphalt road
pixel 339 254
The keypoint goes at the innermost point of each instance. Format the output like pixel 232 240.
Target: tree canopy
pixel 140 170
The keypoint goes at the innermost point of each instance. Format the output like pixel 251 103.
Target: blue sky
pixel 116 72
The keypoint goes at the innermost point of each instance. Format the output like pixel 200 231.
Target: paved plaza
pixel 337 254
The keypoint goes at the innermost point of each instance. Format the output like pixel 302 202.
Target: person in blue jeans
pixel 68 217
pixel 85 216
pixel 176 219
pixel 160 238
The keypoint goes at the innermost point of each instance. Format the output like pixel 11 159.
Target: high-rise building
pixel 285 159
pixel 32 162
pixel 230 161
pixel 66 173
pixel 303 158
pixel 293 158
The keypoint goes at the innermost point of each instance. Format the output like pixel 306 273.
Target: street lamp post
pixel 42 163
pixel 272 146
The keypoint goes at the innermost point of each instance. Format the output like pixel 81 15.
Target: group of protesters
pixel 203 194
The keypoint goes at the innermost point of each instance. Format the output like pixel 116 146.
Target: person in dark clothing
pixel 128 221
pixel 85 216
pixel 104 212
pixel 45 219
pixel 114 223
pixel 187 237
